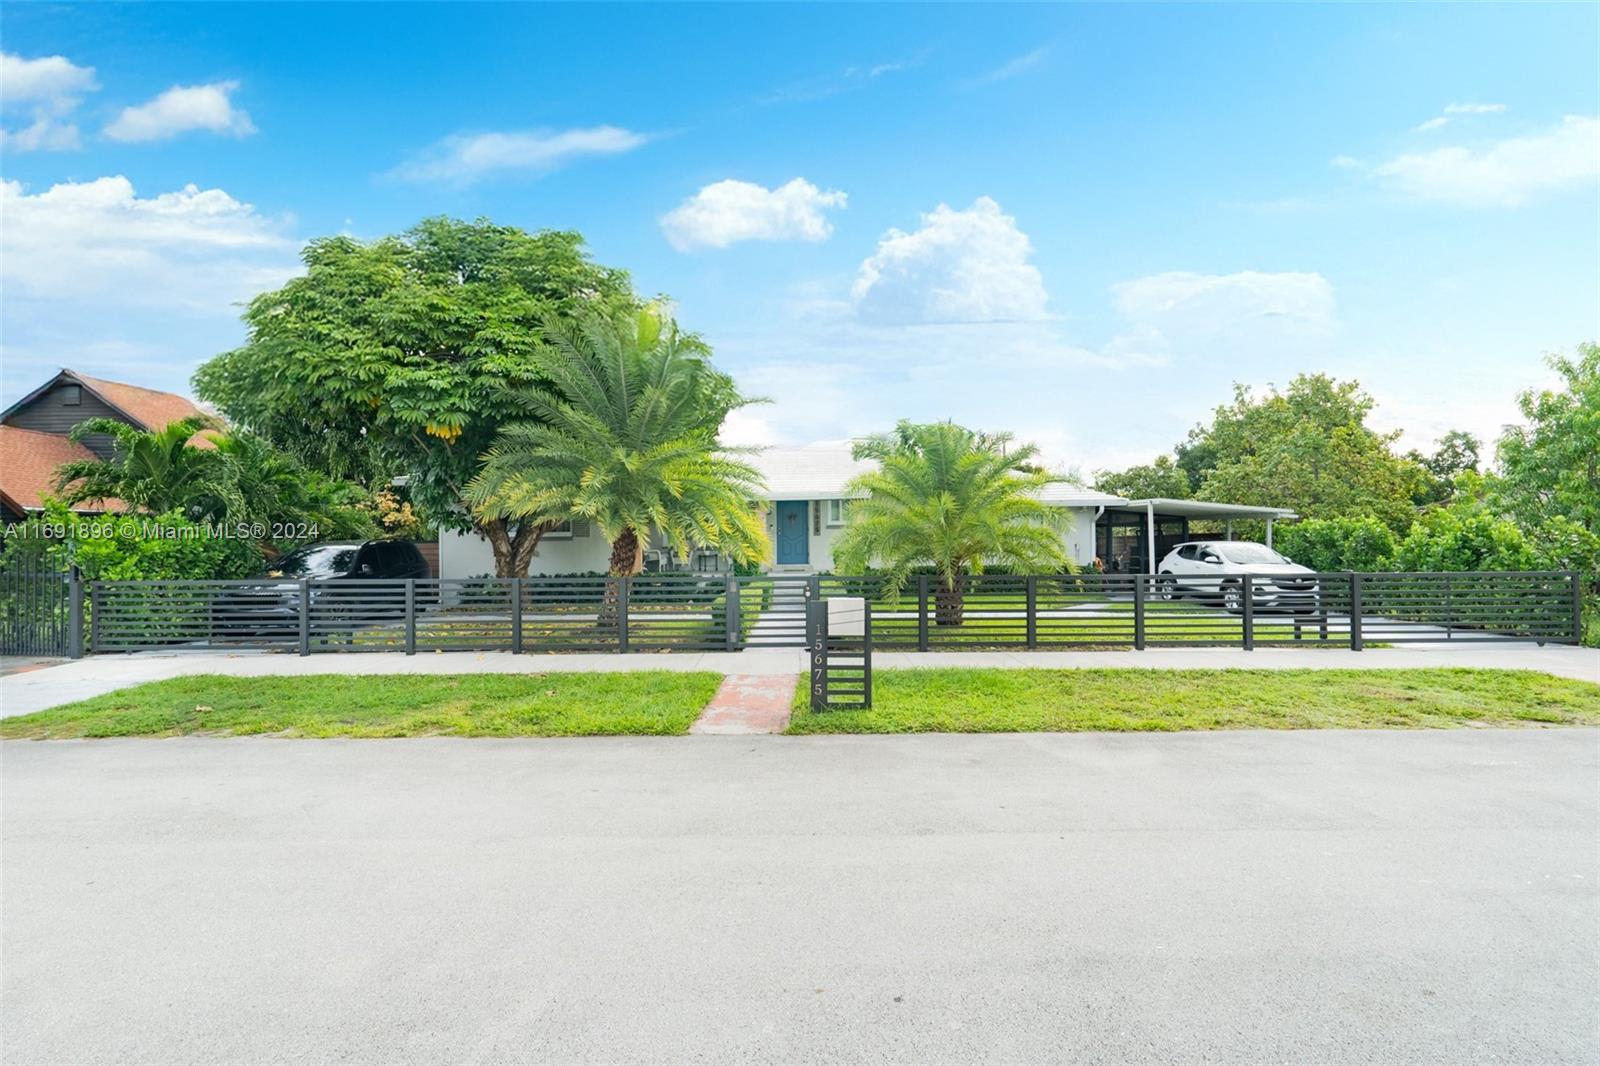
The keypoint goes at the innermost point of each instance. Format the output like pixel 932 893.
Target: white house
pixel 805 513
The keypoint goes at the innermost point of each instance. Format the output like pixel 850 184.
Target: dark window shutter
pixel 816 517
pixel 580 527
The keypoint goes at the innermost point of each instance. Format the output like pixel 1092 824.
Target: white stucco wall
pixel 469 555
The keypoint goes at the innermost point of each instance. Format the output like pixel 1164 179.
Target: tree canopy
pixel 625 435
pixel 402 356
pixel 958 501
pixel 1551 465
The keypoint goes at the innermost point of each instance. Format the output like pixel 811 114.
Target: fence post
pixel 1247 589
pixel 622 615
pixel 1033 611
pixel 94 616
pixel 516 616
pixel 1449 607
pixel 411 616
pixel 922 612
pixel 730 615
pixel 305 616
pixel 817 650
pixel 1138 612
pixel 1355 611
pixel 75 613
pixel 1577 606
pixel 866 653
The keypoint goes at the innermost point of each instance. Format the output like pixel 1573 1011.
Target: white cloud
pixel 1505 173
pixel 823 86
pixel 1212 302
pixel 468 157
pixel 180 109
pixel 45 90
pixel 1345 162
pixel 1453 110
pixel 960 266
pixel 729 211
pixel 742 428
pixel 195 249
pixel 1011 69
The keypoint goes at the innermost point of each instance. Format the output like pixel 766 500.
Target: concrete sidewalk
pixel 38 689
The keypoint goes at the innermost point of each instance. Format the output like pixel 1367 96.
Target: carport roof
pixel 1207 509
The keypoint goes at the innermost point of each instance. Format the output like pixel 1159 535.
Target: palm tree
pixel 157 471
pixel 958 501
pixel 625 435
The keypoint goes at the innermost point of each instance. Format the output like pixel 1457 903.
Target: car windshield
pixel 1245 552
pixel 311 562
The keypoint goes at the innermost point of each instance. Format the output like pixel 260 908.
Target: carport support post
pixel 1138 612
pixel 1247 590
pixel 305 617
pixel 1269 533
pixel 411 616
pixel 75 613
pixel 516 616
pixel 1150 535
pixel 730 614
pixel 1355 612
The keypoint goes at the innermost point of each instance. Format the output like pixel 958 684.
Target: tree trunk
pixel 513 552
pixel 627 554
pixel 627 559
pixel 948 601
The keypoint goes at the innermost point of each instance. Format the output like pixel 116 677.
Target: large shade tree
pixel 624 434
pixel 954 500
pixel 404 356
pixel 1550 466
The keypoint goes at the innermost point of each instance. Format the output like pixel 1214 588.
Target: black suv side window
pixel 1188 551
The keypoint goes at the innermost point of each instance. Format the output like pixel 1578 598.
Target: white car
pixel 1214 569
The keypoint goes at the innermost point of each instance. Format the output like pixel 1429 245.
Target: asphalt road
pixel 1239 897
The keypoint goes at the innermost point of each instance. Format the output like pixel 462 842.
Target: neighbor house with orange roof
pixel 34 432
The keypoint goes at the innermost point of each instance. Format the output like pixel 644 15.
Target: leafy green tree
pixel 625 435
pixel 1331 544
pixel 1161 479
pixel 1454 458
pixel 125 547
pixel 153 471
pixel 1551 465
pixel 958 501
pixel 1307 448
pixel 405 355
pixel 1448 540
pixel 268 487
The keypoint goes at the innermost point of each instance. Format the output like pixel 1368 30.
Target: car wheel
pixel 1166 586
pixel 1232 599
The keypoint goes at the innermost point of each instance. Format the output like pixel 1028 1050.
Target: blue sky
pixel 1079 223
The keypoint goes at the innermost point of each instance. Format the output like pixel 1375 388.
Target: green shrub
pixel 1331 544
pixel 134 547
pixel 1445 540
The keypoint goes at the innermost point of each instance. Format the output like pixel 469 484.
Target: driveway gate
pixel 41 607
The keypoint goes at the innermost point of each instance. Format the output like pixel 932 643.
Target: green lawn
pixel 980 701
pixel 389 705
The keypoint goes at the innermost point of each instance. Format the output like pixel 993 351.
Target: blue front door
pixel 793 542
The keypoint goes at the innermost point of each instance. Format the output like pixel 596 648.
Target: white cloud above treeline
pixel 726 212
pixel 971 265
pixel 43 92
pixel 464 158
pixel 182 109
pixel 1505 173
pixel 98 242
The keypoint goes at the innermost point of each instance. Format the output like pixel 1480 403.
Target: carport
pixel 1132 537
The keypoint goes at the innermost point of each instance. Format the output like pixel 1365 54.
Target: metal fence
pixel 39 609
pixel 675 612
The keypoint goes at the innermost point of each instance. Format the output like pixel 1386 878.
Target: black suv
pixel 272 606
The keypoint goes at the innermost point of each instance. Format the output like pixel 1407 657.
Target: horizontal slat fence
pixel 680 612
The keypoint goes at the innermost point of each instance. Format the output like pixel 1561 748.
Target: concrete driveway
pixel 1230 897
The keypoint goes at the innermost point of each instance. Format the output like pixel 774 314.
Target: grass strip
pixel 651 703
pixel 1003 701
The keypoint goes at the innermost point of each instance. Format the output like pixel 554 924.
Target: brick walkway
pixel 749 703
